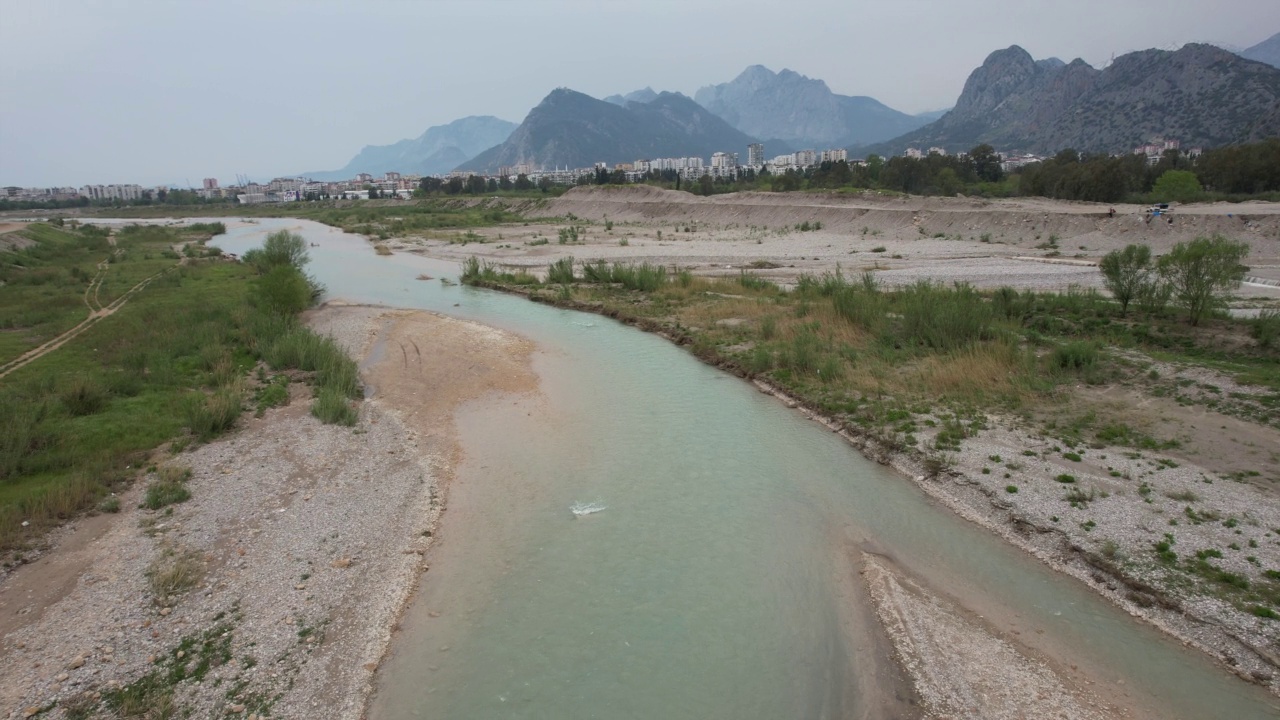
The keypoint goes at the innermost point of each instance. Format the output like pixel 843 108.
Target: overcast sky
pixel 163 92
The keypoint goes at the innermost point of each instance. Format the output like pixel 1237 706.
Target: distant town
pixel 722 165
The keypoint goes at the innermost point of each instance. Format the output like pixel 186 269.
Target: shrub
pixel 174 572
pixel 283 248
pixel 332 407
pixel 942 318
pixel 561 271
pixel 272 395
pixel 283 290
pixel 1075 356
pixel 169 488
pixel 1065 478
pixel 211 415
pixel 1266 328
pixel 83 396
pixel 1011 488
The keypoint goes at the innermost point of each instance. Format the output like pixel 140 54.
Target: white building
pixel 835 155
pixel 806 158
pixel 112 192
pixel 755 155
pixel 913 153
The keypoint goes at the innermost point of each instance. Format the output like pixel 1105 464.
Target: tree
pixel 986 163
pixel 431 184
pixel 1202 272
pixel 1177 185
pixel 523 182
pixel 1126 273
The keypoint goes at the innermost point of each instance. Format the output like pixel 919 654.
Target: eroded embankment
pixel 1011 221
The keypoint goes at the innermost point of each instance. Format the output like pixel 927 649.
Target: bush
pixel 333 408
pixel 1075 356
pixel 83 396
pixel 942 318
pixel 282 290
pixel 169 488
pixel 561 271
pixel 283 248
pixel 211 415
pixel 1266 328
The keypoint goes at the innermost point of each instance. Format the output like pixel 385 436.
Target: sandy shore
pixel 306 541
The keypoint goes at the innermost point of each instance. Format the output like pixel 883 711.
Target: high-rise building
pixel 211 183
pixel 755 154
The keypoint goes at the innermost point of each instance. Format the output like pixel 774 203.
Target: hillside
pixel 1200 95
pixel 1267 51
pixel 438 150
pixel 802 111
pixel 571 129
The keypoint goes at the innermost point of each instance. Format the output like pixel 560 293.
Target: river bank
pixel 285 572
pixel 1102 535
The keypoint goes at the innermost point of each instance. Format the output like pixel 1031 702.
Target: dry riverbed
pixel 274 590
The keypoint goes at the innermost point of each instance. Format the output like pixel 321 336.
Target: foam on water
pixel 580 508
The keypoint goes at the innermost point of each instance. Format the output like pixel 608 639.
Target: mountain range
pixel 802 111
pixel 571 129
pixel 438 150
pixel 1267 51
pixel 1200 95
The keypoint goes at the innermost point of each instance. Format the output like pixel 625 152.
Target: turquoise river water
pixel 717 581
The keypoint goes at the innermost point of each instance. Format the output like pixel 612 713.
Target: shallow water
pixel 714 582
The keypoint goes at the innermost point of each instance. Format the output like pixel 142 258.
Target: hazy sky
pixel 163 92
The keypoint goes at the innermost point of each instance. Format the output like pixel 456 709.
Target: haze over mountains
pixel 1200 95
pixel 802 111
pixel 571 129
pixel 1267 51
pixel 438 150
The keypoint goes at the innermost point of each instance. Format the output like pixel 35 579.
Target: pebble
pixel 77 663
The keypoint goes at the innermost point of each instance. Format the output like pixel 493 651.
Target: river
pixel 716 579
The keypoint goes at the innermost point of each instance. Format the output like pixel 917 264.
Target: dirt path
pixel 94 317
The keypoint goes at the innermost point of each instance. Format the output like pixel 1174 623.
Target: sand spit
pixel 306 541
pixel 960 667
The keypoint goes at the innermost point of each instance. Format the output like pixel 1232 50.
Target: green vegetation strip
pixel 171 365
